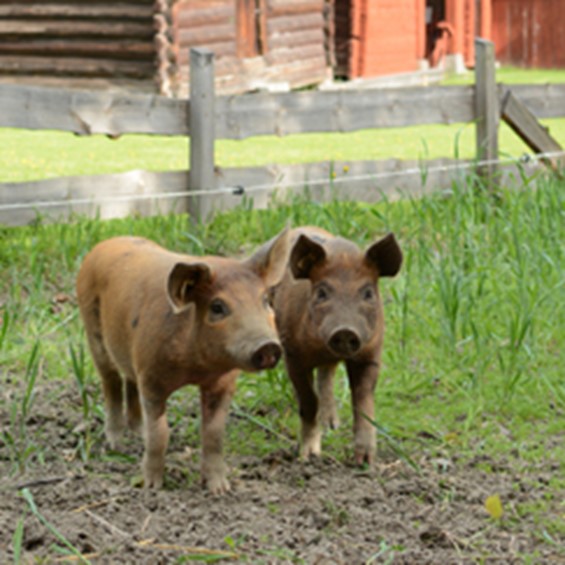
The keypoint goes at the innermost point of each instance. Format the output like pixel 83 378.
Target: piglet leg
pixel 362 381
pixel 328 409
pixel 156 436
pixel 308 405
pixel 215 403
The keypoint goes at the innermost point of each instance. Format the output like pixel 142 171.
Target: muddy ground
pixel 280 510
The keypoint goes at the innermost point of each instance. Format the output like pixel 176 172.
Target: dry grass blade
pixel 189 549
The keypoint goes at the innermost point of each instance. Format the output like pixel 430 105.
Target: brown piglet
pixel 157 320
pixel 328 309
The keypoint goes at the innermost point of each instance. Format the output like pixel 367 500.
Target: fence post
pixel 487 113
pixel 201 123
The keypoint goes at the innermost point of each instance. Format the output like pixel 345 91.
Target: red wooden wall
pixel 529 33
pixel 386 36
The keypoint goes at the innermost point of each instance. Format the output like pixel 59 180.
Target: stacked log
pixel 146 42
pixel 86 39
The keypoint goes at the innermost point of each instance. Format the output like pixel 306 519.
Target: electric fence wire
pixel 239 190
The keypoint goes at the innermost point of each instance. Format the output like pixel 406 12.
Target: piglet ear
pixel 305 254
pixel 385 255
pixel 270 260
pixel 183 283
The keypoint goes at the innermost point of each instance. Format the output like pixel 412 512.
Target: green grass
pixel 31 155
pixel 513 75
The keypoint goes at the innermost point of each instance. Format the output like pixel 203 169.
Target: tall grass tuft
pixel 20 446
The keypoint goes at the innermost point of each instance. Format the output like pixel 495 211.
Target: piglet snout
pixel 266 356
pixel 344 342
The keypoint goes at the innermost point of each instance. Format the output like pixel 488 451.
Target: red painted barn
pixel 529 33
pixel 380 37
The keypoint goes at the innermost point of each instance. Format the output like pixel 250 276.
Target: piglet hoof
pixel 364 456
pixel 154 483
pixel 217 485
pixel 311 446
pixel 135 425
pixel 329 421
pixel 113 436
pixel 152 476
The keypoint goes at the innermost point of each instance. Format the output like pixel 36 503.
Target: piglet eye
pixel 267 300
pixel 368 293
pixel 218 309
pixel 321 294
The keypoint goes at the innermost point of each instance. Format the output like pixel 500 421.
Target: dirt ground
pixel 280 510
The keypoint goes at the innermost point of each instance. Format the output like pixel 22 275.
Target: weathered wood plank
pixel 222 50
pixel 312 111
pixel 75 28
pixel 72 66
pixel 293 7
pixel 242 116
pixel 295 38
pixel 487 112
pixel 186 15
pixel 292 23
pixel 83 2
pixel 300 72
pixel 205 35
pixel 89 112
pixel 543 100
pixel 106 196
pixel 111 196
pixel 84 10
pixel 292 53
pixel 107 48
pixel 526 126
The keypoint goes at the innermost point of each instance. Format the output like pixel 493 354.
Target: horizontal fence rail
pixel 86 112
pixel 248 115
pixel 150 193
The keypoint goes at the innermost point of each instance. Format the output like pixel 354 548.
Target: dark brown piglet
pixel 157 320
pixel 328 309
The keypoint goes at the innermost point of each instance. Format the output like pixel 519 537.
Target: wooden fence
pixel 206 117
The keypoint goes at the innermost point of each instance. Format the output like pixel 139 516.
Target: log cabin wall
pixel 257 43
pixel 143 44
pixel 79 43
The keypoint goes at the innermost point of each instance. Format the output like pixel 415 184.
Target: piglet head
pixel 344 306
pixel 227 307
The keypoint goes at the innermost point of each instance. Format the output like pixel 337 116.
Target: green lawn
pixel 513 75
pixel 29 155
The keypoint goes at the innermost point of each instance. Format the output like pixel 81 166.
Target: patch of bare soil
pixel 280 510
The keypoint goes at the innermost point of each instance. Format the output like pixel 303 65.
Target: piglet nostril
pixel 345 342
pixel 267 356
pixel 354 343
